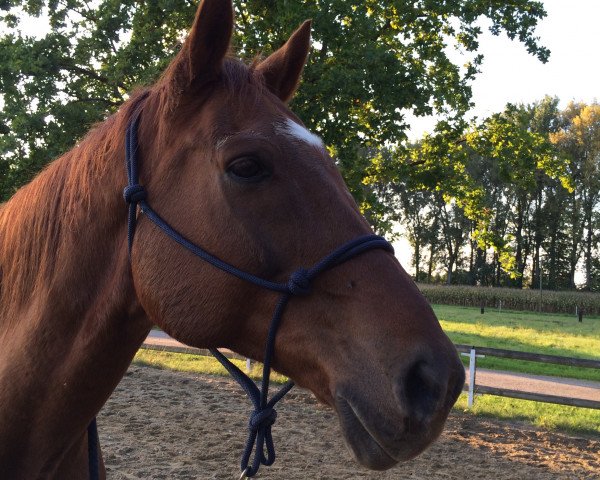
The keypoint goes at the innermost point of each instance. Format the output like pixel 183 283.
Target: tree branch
pixel 96 100
pixel 92 74
pixel 84 14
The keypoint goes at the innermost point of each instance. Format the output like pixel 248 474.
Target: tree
pixel 561 260
pixel 54 87
pixel 495 173
pixel 486 172
pixel 454 228
pixel 579 140
pixel 373 61
pixel 420 223
pixel 524 159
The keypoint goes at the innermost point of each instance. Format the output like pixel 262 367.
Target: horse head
pixel 230 166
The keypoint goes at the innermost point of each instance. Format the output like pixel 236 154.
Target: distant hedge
pixel 513 299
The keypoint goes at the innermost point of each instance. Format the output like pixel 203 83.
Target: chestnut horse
pixel 233 169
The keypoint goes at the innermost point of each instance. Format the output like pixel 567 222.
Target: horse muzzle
pixel 396 418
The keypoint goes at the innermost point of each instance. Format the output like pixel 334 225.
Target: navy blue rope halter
pixel 299 284
pixel 93 457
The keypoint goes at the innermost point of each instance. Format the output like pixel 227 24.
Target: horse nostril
pixel 421 390
pixel 430 384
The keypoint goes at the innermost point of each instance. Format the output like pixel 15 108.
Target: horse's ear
pixel 202 55
pixel 281 70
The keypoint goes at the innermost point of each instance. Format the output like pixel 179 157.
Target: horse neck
pixel 69 320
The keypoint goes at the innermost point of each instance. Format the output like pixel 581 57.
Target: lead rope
pixel 260 439
pixel 93 463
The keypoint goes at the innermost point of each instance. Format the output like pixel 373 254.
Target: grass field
pixel 544 415
pixel 185 362
pixel 529 332
pixel 526 332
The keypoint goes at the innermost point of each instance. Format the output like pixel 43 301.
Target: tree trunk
pixel 576 232
pixel 430 264
pixel 538 236
pixel 518 282
pixel 588 245
pixel 417 259
pixel 450 270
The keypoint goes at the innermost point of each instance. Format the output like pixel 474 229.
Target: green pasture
pixel 529 332
pixel 544 415
pixel 549 334
pixel 185 362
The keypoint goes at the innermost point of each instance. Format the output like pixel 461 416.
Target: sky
pixel 509 74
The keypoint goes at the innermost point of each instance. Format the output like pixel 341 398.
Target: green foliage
pixel 515 299
pixel 519 153
pixel 578 139
pixel 527 182
pixel 55 86
pixel 499 160
pixel 373 61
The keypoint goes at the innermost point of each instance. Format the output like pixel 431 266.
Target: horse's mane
pixel 34 221
pixel 58 202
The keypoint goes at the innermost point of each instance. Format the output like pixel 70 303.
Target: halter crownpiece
pixel 260 439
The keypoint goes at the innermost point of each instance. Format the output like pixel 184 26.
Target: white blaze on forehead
pixel 298 132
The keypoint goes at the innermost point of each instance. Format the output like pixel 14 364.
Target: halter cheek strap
pixel 260 439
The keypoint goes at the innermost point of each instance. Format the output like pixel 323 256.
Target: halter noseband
pixel 299 283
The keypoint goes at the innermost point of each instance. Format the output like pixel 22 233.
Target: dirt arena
pixel 167 425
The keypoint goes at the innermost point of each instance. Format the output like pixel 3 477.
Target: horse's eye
pixel 247 169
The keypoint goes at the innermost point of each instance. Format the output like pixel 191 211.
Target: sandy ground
pixel 170 425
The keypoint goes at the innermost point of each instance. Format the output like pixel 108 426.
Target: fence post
pixel 248 365
pixel 472 368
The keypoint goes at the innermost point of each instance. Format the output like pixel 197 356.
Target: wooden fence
pixel 472 388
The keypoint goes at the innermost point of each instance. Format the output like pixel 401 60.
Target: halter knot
pixel 299 282
pixel 134 193
pixel 261 419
